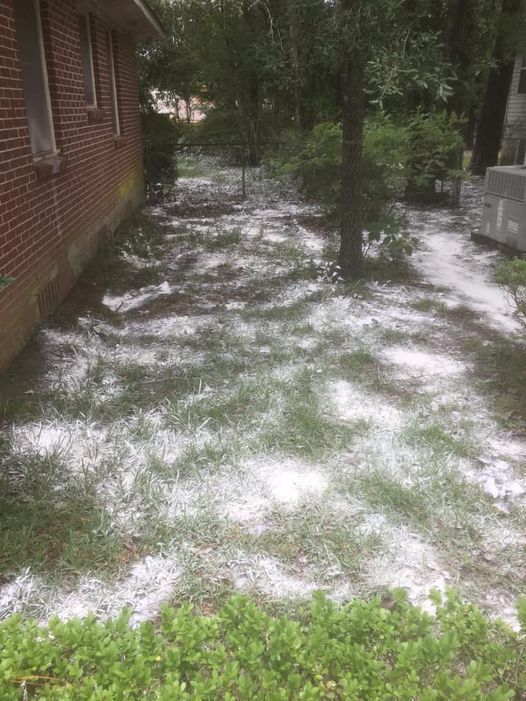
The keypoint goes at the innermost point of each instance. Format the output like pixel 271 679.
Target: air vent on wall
pixel 48 297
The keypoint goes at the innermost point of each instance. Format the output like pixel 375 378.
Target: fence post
pixel 243 177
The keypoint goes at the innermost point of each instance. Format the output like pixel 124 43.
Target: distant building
pixel 514 136
pixel 191 111
pixel 70 148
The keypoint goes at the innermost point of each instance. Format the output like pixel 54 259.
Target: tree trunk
pixel 351 248
pixel 457 33
pixel 250 94
pixel 249 112
pixel 457 51
pixel 470 128
pixel 252 136
pixel 188 105
pixel 295 65
pixel 491 120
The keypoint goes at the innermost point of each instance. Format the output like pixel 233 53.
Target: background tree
pixel 267 67
pixel 374 37
pixel 509 40
pixel 171 68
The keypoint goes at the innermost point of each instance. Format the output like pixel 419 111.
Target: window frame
pixel 117 132
pixel 85 18
pixel 40 155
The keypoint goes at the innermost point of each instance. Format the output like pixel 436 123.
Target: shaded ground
pixel 206 415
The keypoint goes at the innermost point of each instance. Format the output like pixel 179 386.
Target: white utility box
pixel 504 214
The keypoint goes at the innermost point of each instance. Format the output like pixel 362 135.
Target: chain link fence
pixel 164 165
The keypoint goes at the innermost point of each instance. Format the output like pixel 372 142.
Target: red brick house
pixel 70 145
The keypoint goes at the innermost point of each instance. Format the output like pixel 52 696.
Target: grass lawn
pixel 207 415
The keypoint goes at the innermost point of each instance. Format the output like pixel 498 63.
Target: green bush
pixel 434 141
pixel 5 280
pixel 361 651
pixel 161 136
pixel 221 126
pixel 316 160
pixel 511 275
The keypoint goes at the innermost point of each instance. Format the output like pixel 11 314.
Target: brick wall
pixel 50 227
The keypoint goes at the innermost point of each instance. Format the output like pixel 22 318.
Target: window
pixel 86 53
pixel 522 78
pixel 113 87
pixel 34 76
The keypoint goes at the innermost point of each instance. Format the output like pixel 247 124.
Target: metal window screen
pixel 87 60
pixel 113 87
pixel 34 76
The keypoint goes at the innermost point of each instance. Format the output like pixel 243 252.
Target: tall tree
pixel 171 67
pixel 511 27
pixel 353 79
pixel 381 59
pixel 270 64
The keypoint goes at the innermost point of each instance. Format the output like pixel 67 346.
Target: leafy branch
pixel 5 280
pixel 511 275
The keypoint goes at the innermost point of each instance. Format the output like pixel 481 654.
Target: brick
pixel 40 220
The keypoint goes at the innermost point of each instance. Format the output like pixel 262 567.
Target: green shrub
pixel 221 126
pixel 316 160
pixel 511 275
pixel 434 141
pixel 363 651
pixel 161 136
pixel 5 280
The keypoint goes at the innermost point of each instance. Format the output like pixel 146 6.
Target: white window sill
pixel 48 165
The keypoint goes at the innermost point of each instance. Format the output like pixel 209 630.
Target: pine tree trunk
pixel 250 96
pixel 491 121
pixel 253 142
pixel 351 249
pixel 457 51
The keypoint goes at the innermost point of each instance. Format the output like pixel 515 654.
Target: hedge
pixel 363 650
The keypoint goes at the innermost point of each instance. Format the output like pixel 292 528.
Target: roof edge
pixel 152 18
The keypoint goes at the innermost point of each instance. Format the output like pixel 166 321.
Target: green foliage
pixel 316 160
pixel 221 126
pixel 386 147
pixel 5 280
pixel 170 67
pixel 385 159
pixel 434 140
pixel 395 158
pixel 161 137
pixel 511 275
pixel 268 66
pixel 415 66
pixel 360 651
